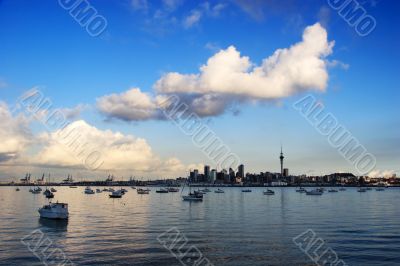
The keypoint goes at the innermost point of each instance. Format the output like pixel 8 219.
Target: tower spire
pixel 281 159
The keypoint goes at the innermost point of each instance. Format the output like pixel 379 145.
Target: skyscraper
pixel 241 171
pixel 207 172
pixel 281 158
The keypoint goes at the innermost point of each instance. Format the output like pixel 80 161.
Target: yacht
pixel 219 191
pixel 195 196
pixel 314 192
pixel 98 190
pixel 333 190
pixel 123 190
pixel 48 194
pixel 54 211
pixel 162 190
pixel 105 189
pixel 173 189
pixel 53 189
pixel 88 190
pixel 142 191
pixel 301 190
pixel 206 190
pixel 269 192
pixel 36 190
pixel 116 194
pixel 111 190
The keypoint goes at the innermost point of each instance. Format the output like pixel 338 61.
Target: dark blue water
pixel 234 228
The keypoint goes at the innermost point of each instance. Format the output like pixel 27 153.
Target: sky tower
pixel 281 158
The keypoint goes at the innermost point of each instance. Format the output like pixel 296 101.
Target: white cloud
pixel 380 173
pixel 130 105
pixel 73 145
pixel 288 71
pixel 140 5
pixel 3 83
pixel 192 19
pixel 229 78
pixel 15 134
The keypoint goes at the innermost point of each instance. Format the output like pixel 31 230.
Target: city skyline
pixel 239 67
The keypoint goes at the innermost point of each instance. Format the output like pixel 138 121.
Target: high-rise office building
pixel 207 172
pixel 241 171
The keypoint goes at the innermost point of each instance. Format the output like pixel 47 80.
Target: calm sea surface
pixel 233 228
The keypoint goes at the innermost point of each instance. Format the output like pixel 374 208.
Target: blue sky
pixel 42 45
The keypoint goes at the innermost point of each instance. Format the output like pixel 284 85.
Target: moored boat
pixel 301 190
pixel 269 192
pixel 88 190
pixel 246 190
pixel 314 192
pixel 142 191
pixel 219 191
pixel 54 211
pixel 48 194
pixel 162 190
pixel 116 194
pixel 173 189
pixel 333 190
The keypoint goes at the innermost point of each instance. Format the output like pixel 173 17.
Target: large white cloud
pixel 287 71
pixel 15 135
pixel 80 144
pixel 229 78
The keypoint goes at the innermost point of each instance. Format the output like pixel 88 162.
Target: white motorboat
pixel 206 190
pixel 301 190
pixel 36 190
pixel 162 190
pixel 116 194
pixel 269 192
pixel 219 191
pixel 314 192
pixel 173 189
pixel 88 190
pixel 142 191
pixel 54 211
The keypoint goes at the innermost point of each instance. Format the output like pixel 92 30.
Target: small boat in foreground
pixel 219 191
pixel 54 211
pixel 269 192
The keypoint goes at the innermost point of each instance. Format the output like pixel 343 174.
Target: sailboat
pixel 195 196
